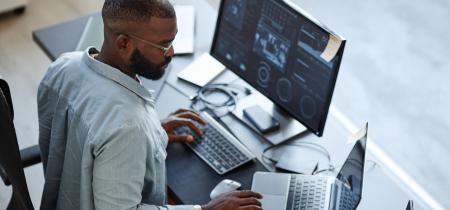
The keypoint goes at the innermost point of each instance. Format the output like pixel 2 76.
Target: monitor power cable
pixel 229 105
pixel 319 148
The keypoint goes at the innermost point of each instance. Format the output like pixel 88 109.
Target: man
pixel 102 144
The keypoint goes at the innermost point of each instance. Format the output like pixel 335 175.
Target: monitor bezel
pixel 294 8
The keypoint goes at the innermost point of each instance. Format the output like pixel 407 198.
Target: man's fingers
pixel 181 138
pixel 180 111
pixel 175 122
pixel 249 202
pixel 185 110
pixel 247 194
pixel 192 116
pixel 188 122
pixel 250 208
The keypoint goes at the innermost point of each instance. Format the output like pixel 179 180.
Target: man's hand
pixel 237 200
pixel 182 117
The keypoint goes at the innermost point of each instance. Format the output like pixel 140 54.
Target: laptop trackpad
pixel 274 187
pixel 271 183
pixel 273 202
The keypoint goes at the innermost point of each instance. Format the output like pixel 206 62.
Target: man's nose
pixel 171 52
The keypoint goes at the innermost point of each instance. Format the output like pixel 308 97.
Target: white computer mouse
pixel 226 185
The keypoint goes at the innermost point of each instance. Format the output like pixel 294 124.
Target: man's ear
pixel 124 46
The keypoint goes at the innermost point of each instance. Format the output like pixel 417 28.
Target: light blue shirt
pixel 101 140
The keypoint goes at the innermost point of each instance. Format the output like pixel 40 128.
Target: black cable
pixel 211 107
pixel 369 169
pixel 311 145
pixel 331 168
pixel 227 89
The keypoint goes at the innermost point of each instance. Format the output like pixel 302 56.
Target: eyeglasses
pixel 165 50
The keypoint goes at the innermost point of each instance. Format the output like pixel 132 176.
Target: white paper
pixel 334 43
pixel 184 41
pixel 202 70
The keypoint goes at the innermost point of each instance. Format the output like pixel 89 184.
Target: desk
pixel 189 178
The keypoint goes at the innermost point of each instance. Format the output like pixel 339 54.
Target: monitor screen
pixel 282 52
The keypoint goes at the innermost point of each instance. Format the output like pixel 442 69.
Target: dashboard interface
pixel 282 53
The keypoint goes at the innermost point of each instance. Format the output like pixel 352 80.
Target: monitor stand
pixel 289 127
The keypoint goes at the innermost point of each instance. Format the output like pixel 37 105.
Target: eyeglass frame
pixel 165 50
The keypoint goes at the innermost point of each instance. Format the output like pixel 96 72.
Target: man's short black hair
pixel 136 10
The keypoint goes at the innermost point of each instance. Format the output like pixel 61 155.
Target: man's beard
pixel 145 68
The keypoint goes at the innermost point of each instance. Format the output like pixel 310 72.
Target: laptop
pixel 410 205
pixel 298 192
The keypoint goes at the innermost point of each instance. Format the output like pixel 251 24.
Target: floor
pixel 393 75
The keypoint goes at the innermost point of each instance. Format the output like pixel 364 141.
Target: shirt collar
pixel 117 76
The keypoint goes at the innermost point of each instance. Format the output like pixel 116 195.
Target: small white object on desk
pixel 226 185
pixel 202 70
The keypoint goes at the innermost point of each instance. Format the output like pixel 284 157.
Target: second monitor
pixel 282 52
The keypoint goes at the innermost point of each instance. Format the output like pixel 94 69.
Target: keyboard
pixel 347 200
pixel 307 193
pixel 217 147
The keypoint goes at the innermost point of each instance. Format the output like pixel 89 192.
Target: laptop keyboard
pixel 216 148
pixel 307 193
pixel 347 200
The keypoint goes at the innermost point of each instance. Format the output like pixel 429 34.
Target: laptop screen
pixel 353 169
pixel 410 205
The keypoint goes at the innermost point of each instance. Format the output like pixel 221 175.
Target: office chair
pixel 12 161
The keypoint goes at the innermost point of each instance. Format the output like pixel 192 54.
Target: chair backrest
pixel 7 93
pixel 11 168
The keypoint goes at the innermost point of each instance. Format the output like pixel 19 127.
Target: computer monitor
pixel 282 52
